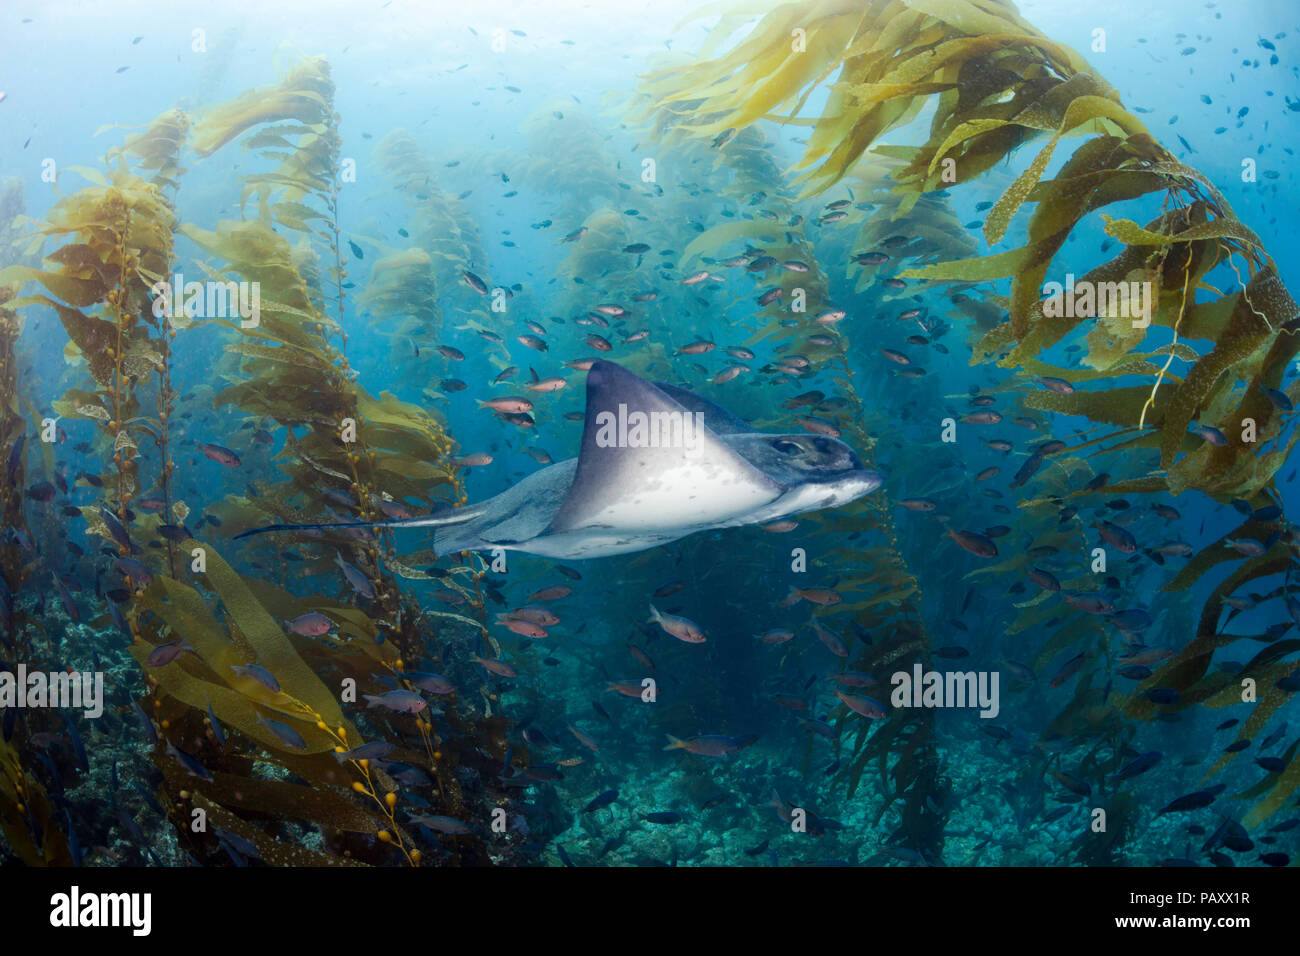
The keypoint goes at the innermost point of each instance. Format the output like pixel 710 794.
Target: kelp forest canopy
pixel 347 696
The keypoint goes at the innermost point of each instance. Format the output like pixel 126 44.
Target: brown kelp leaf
pixel 1245 332
pixel 271 851
pixel 303 95
pixel 98 412
pixel 212 682
pixel 274 650
pixel 1259 716
pixel 1130 233
pixel 1287 782
pixel 334 808
pixel 73 290
pixel 158 147
pixel 93 336
pixel 996 266
pixel 14 823
pixel 1115 406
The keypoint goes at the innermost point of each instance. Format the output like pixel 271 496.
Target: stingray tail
pixel 422 521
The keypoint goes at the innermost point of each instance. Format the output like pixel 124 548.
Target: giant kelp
pixel 289 373
pixel 117 241
pixel 412 285
pixel 994 92
pixel 117 244
pixel 260 764
pixel 934 232
pixel 566 152
pixel 995 83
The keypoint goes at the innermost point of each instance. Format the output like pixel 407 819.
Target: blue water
pixel 541 131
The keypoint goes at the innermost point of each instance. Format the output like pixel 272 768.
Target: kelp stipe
pixel 292 376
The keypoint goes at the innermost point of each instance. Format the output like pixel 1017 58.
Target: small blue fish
pixel 135 570
pixel 145 723
pixel 1210 434
pixel 1162 695
pixel 116 529
pixel 148 797
pixel 260 674
pixel 1281 401
pixel 375 750
pixel 16 457
pixel 288 736
pixel 78 747
pixel 1137 765
pixel 441 824
pixel 192 766
pixel 233 841
pixel 359 582
pixel 663 816
pixel 1135 672
pixel 218 732
pixel 601 800
pixel 74 845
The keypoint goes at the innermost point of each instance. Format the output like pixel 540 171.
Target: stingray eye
pixel 787 447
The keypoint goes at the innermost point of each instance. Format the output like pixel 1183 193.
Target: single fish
pixel 286 734
pixel 707 745
pixel 219 454
pixel 358 581
pixel 601 800
pixel 311 624
pixel 398 701
pixel 498 667
pixel 868 707
pixel 260 674
pixel 164 654
pixel 681 628
pixel 442 824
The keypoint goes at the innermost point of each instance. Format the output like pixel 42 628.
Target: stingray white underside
pixel 678 501
pixel 665 503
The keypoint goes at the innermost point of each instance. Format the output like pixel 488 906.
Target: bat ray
pixel 657 463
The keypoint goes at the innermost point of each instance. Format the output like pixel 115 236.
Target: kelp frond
pixel 995 83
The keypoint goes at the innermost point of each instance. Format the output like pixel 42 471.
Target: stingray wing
pixel 646 464
pixel 517 515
